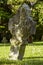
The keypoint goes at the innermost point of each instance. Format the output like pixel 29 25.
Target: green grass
pixel 33 54
pixel 4 51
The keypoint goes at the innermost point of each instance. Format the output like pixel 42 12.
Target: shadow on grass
pixel 30 44
pixel 28 61
pixel 5 44
pixel 39 57
pixel 35 44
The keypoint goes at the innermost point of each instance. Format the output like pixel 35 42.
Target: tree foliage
pixel 38 17
pixel 9 7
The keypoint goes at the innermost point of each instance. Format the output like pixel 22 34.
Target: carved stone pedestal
pixel 14 50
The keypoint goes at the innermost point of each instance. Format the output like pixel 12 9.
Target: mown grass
pixel 33 54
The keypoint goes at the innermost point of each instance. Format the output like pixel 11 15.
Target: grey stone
pixel 4 40
pixel 21 26
pixel 42 38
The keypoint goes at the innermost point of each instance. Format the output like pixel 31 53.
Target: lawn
pixel 33 54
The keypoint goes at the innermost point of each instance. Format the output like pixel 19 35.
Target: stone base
pixel 13 56
pixel 14 52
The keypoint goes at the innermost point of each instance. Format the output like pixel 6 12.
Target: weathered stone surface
pixel 14 50
pixel 21 27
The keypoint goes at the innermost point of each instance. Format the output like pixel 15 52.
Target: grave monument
pixel 21 26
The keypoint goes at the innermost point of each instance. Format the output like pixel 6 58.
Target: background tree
pixel 9 7
pixel 38 17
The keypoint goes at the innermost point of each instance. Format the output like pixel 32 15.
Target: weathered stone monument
pixel 21 26
pixel 4 40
